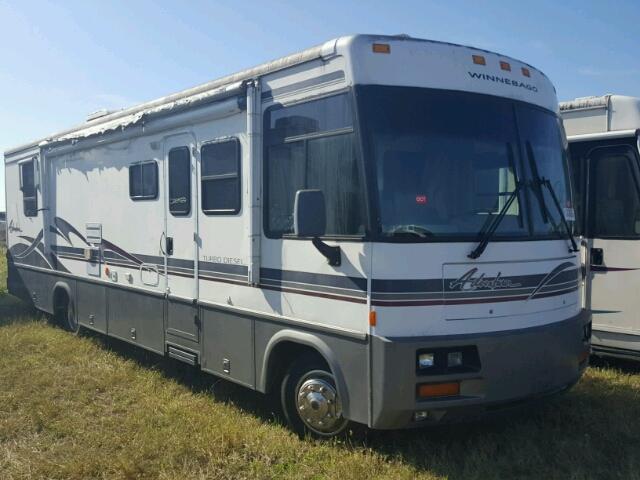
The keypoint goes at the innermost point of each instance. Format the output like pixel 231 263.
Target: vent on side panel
pixel 183 355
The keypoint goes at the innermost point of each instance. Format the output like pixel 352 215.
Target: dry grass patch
pixel 84 407
pixel 90 407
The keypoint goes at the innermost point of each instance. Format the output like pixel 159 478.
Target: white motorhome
pixel 372 228
pixel 604 145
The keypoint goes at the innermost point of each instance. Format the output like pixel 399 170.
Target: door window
pixel 615 199
pixel 180 181
pixel 28 187
pixel 578 169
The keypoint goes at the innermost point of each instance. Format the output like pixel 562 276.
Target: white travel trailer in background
pixel 603 139
pixel 373 228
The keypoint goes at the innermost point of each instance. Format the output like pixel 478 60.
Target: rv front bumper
pixel 514 367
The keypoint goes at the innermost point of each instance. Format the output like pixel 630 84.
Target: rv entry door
pixel 179 242
pixel 613 231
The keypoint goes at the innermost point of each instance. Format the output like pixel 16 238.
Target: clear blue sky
pixel 60 61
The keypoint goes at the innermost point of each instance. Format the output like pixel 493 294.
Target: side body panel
pixel 112 252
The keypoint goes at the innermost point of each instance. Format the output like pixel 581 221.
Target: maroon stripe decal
pixel 222 280
pixel 470 301
pixel 315 294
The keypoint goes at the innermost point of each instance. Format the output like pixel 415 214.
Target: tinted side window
pixel 180 181
pixel 311 145
pixel 221 177
pixel 615 199
pixel 578 170
pixel 143 181
pixel 28 187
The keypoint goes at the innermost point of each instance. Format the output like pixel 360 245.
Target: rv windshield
pixel 445 162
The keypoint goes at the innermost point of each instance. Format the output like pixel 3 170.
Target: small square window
pixel 143 181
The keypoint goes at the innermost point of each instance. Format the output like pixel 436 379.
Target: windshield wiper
pixel 537 185
pixel 512 165
pixel 544 182
pixel 547 183
pixel 491 224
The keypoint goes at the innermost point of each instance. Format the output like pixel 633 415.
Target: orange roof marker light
pixel 526 72
pixel 381 48
pixel 505 66
pixel 479 60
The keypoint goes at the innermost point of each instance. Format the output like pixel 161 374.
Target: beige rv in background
pixel 604 145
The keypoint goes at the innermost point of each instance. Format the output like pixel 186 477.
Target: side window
pixel 143 181
pixel 220 169
pixel 179 181
pixel 28 187
pixel 312 145
pixel 578 172
pixel 615 199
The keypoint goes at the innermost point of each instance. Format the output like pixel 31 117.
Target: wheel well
pixel 281 358
pixel 60 298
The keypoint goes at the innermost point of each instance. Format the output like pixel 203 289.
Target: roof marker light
pixel 381 48
pixel 526 72
pixel 479 60
pixel 505 66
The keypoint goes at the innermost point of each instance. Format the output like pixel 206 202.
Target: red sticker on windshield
pixel 421 199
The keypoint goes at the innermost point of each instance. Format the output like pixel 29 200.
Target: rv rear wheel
pixel 310 399
pixel 65 313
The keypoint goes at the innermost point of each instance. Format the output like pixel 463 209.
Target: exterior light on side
pixel 381 48
pixel 434 390
pixel 479 60
pixel 421 415
pixel 426 360
pixel 454 359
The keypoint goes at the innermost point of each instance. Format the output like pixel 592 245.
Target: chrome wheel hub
pixel 319 406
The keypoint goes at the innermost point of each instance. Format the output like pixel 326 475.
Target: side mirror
pixel 310 220
pixel 309 214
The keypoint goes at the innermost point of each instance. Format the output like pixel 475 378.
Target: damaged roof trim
pixel 122 123
pixel 184 99
pixel 585 103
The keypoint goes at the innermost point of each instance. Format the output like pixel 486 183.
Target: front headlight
pixel 426 360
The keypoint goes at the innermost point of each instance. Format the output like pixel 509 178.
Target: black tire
pixel 65 314
pixel 301 389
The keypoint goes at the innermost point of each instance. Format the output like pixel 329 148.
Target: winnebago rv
pixel 374 229
pixel 603 140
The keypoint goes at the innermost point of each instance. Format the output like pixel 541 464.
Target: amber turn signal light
pixel 431 390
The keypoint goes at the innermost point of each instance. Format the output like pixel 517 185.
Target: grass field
pixel 88 407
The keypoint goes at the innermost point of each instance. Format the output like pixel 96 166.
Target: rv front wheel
pixel 65 313
pixel 310 399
